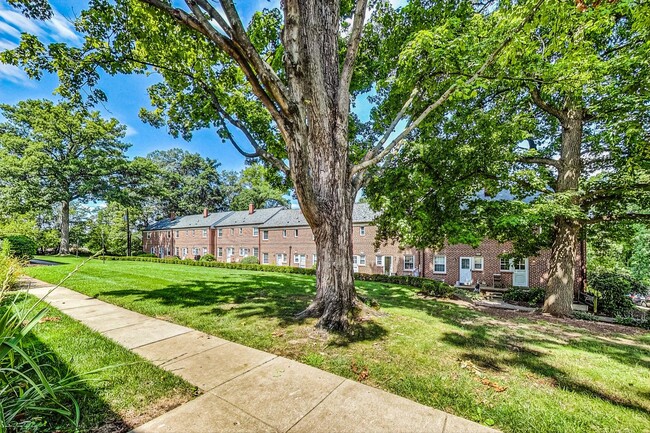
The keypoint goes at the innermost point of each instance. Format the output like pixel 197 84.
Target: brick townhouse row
pixel 280 236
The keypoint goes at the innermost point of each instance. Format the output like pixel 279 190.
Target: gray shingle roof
pixel 242 218
pixel 189 221
pixel 361 213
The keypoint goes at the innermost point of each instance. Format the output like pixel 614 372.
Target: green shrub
pixel 10 270
pixel 147 255
pixel 208 258
pixel 612 290
pixel 19 246
pixel 531 295
pixel 250 260
pixel 437 289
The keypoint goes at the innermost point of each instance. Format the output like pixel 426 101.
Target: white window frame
pixel 314 258
pixel 475 261
pixel 177 234
pixel 362 260
pixel 232 231
pixel 284 233
pixel 256 231
pixel 256 251
pixel 379 260
pixel 241 231
pixel 205 233
pixel 177 251
pixel 219 251
pixel 509 263
pixel 355 260
pixel 193 233
pixel 265 258
pixel 185 252
pixel 205 250
pixel 412 262
pixel 219 233
pixel 362 231
pixel 444 264
pixel 295 233
pixel 195 251
pixel 265 235
pixel 244 252
pixel 296 258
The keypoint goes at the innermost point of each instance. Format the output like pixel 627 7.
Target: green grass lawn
pixel 522 373
pixel 114 399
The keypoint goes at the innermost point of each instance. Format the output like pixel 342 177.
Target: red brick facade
pixel 293 245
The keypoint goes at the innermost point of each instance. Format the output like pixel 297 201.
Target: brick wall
pixel 237 238
pixel 284 242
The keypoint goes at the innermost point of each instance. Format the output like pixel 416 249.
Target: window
pixel 265 258
pixel 205 233
pixel 296 258
pixel 177 250
pixel 220 252
pixel 184 252
pixel 232 231
pixel 440 265
pixel 379 260
pixel 241 231
pixel 153 250
pixel 265 235
pixel 478 264
pixel 314 259
pixel 362 231
pixel 505 264
pixel 230 251
pixel 205 250
pixel 148 235
pixel 409 263
pixel 256 251
pixel 256 231
pixel 295 235
pixel 244 252
pixel 220 232
pixel 193 233
pixel 187 233
pixel 195 251
pixel 355 260
pixel 178 233
pixel 169 234
pixel 520 265
pixel 362 260
pixel 284 233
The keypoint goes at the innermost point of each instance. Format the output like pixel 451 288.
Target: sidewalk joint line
pixel 316 405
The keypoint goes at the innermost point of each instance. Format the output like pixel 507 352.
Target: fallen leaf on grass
pixel 362 373
pixel 278 333
pixel 493 385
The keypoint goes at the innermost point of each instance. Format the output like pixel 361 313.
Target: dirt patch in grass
pixel 131 419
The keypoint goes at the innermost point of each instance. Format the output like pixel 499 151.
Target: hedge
pixel 432 287
pixel 18 246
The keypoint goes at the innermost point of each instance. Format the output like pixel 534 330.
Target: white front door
pixel 465 276
pixel 303 261
pixel 520 273
pixel 388 265
pixel 278 259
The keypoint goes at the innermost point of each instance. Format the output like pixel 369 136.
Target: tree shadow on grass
pixel 95 413
pixel 481 344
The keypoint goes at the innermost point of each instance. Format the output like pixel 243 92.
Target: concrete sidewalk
pixel 246 389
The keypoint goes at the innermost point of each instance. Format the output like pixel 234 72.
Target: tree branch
pixel 368 162
pixel 553 111
pixel 539 160
pixel 619 217
pixel 350 55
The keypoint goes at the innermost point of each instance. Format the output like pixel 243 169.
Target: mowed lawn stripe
pixel 522 373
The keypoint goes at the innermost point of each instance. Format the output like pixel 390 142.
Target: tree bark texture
pixel 564 252
pixel 64 247
pixel 317 140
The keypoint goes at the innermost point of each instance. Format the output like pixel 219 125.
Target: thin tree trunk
pixel 128 232
pixel 64 247
pixel 564 252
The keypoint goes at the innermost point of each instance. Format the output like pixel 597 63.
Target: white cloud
pixel 130 130
pixel 7 30
pixel 7 45
pixel 56 29
pixel 14 75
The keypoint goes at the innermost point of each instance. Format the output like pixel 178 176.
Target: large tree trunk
pixel 64 247
pixel 128 232
pixel 317 140
pixel 564 252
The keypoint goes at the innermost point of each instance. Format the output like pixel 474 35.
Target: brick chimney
pixel 251 208
pixel 205 212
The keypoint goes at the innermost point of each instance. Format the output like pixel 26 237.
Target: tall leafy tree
pixel 185 182
pixel 286 81
pixel 562 122
pixel 252 185
pixel 56 154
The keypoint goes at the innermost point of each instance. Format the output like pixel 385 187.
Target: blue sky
pixel 126 94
